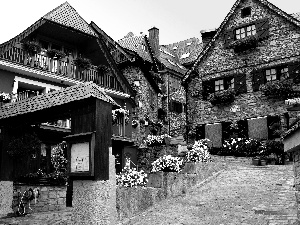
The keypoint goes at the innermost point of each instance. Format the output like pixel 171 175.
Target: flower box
pixel 155 180
pixel 243 44
pixel 222 97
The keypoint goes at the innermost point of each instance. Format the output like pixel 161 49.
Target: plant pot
pixel 263 162
pixel 255 161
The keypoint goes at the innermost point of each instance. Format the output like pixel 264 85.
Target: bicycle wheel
pixel 21 210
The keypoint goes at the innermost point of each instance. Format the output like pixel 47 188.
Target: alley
pixel 240 195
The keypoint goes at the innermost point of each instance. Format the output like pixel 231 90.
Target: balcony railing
pixel 121 130
pixel 59 124
pixel 62 67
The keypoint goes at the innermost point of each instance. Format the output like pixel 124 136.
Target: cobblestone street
pixel 240 195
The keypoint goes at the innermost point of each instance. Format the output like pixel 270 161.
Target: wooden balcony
pixel 120 130
pixel 62 67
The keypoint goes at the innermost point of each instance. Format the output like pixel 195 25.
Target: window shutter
pixel 226 130
pixel 258 79
pixel 262 28
pixel 208 88
pixel 228 37
pixel 240 85
pixel 294 71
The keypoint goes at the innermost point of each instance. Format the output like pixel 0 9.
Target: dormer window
pixel 243 32
pixel 245 12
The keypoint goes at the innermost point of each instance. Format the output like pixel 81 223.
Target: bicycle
pixel 25 200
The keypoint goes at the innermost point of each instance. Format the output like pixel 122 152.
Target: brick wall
pixel 281 47
pixel 51 197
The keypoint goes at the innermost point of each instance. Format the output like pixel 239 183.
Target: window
pixel 271 75
pixel 284 73
pixel 176 106
pixel 243 32
pixel 245 12
pixel 219 85
pixel 224 84
pixel 278 73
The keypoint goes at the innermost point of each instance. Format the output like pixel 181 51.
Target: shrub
pixel 26 144
pixel 131 178
pixel 278 88
pixel 156 140
pixel 241 147
pixel 199 152
pixel 275 148
pixel 167 163
pixel 222 97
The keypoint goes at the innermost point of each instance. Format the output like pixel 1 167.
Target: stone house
pixel 257 43
pixel 168 69
pixel 59 50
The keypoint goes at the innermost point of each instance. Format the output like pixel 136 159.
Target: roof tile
pixel 63 96
pixel 66 15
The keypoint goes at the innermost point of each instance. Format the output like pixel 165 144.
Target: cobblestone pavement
pixel 240 195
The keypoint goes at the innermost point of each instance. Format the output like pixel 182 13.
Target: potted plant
pixel 56 54
pixel 82 63
pixel 222 97
pixel 32 47
pixel 5 97
pixel 102 69
pixel 134 123
pixel 120 113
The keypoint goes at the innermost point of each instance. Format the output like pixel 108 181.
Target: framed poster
pixel 81 154
pixel 80 157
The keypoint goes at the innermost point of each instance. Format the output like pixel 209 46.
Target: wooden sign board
pixel 81 149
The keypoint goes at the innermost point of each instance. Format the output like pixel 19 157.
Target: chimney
pixel 207 35
pixel 154 40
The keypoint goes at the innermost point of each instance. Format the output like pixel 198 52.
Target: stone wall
pixel 144 106
pixel 132 201
pixel 296 158
pixel 281 47
pixel 51 198
pixel 6 197
pixel 145 156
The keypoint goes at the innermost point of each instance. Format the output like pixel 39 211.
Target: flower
pixel 222 97
pixel 199 152
pixel 292 101
pixel 120 113
pixel 278 88
pixel 167 163
pixel 241 147
pixel 153 140
pixel 131 178
pixel 5 97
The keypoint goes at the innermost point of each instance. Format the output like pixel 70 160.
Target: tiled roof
pixel 63 96
pixel 170 60
pixel 138 45
pixel 296 15
pixel 187 50
pixel 66 15
pixel 221 27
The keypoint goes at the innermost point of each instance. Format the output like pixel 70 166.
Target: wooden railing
pixel 59 124
pixel 62 67
pixel 26 94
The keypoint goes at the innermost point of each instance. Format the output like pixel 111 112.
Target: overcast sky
pixel 177 20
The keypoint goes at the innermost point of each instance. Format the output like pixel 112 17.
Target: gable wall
pixel 142 100
pixel 281 46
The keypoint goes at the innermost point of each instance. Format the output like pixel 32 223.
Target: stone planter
pixel 255 161
pixel 155 180
pixel 263 162
pixel 190 167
